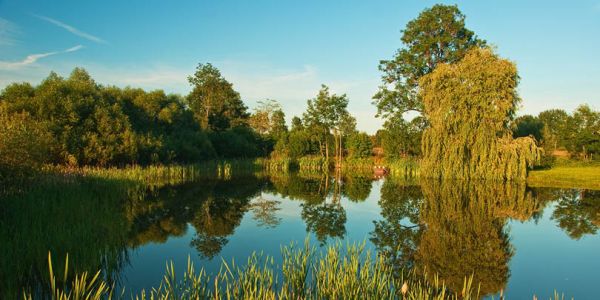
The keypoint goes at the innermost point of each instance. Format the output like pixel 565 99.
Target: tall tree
pixel 216 105
pixel 268 118
pixel 469 105
pixel 327 114
pixel 437 35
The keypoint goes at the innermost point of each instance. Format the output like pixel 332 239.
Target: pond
pixel 509 237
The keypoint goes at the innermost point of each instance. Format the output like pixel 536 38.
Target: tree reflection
pixel 397 234
pixel 454 229
pixel 356 188
pixel 578 212
pixel 466 230
pixel 264 212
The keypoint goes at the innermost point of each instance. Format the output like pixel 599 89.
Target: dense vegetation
pixel 76 122
pixel 469 105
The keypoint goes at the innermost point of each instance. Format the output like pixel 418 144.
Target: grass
pixel 337 273
pixel 567 174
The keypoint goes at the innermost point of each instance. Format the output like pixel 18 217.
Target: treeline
pixel 555 129
pixel 75 121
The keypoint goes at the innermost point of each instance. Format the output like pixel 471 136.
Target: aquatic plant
pixel 339 272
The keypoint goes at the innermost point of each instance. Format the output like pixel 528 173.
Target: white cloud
pixel 32 58
pixel 71 29
pixel 8 30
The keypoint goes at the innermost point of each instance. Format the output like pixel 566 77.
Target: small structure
pixel 380 170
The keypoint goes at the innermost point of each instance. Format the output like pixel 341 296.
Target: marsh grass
pixel 338 272
pixel 403 167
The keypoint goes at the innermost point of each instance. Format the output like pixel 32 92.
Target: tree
pixel 555 127
pixel 216 105
pixel 438 35
pixel 584 128
pixel 469 105
pixel 24 147
pixel 268 119
pixel 401 138
pixel 528 125
pixel 327 114
pixel 359 145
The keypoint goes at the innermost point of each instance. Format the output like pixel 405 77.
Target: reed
pixel 313 163
pixel 338 272
pixel 404 167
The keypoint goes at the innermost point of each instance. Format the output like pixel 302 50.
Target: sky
pixel 285 50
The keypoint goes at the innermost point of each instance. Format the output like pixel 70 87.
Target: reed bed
pixel 403 167
pixel 338 272
pixel 313 163
pixel 167 174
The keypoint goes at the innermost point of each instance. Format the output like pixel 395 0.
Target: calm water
pixel 523 240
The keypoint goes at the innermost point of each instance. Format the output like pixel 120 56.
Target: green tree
pixel 528 125
pixel 401 138
pixel 214 102
pixel 469 105
pixel 584 128
pixel 24 147
pixel 327 114
pixel 438 35
pixel 555 127
pixel 359 145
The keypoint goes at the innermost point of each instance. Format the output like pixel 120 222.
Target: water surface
pixel 509 237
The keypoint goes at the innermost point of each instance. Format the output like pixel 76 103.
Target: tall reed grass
pixel 338 272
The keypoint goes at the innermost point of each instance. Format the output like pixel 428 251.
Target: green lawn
pixel 567 174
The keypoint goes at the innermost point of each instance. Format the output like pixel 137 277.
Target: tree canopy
pixel 438 35
pixel 469 105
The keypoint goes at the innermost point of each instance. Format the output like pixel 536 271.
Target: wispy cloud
pixel 7 32
pixel 32 58
pixel 71 29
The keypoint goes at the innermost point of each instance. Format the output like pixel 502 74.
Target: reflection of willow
pixel 465 232
pixel 578 212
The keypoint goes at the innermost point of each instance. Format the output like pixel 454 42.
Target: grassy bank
pixel 567 174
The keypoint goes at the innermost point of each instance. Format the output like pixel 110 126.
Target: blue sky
pixel 284 50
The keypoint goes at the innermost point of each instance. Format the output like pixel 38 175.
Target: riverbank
pixel 567 174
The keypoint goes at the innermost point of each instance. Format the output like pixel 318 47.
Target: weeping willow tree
pixel 469 105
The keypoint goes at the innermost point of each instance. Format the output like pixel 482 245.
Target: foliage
pixel 359 145
pixel 438 35
pixel 469 105
pixel 400 138
pixel 216 105
pixel 528 125
pixel 337 273
pixel 78 122
pixel 24 147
